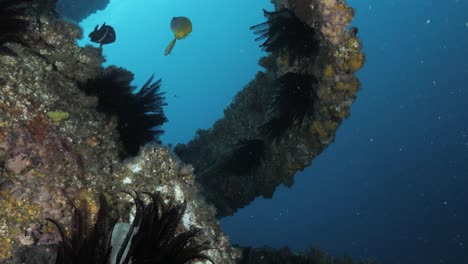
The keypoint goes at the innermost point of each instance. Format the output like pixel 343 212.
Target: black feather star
pixel 245 157
pixel 293 101
pixel 86 245
pixel 286 34
pixel 154 236
pixel 13 22
pixel 157 240
pixel 140 115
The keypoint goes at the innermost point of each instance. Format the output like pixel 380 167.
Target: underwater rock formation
pixel 57 152
pixel 293 108
pixel 284 255
pixel 78 10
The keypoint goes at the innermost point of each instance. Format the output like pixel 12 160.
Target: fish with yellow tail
pixel 181 27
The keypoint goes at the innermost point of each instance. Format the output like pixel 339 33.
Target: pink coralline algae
pixel 35 184
pixel 18 163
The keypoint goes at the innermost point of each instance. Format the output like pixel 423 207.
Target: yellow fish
pixel 181 27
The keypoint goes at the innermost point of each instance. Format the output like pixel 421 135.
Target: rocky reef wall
pixel 332 66
pixel 58 153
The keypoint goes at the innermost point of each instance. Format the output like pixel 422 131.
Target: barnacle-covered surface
pixel 57 151
pixel 333 66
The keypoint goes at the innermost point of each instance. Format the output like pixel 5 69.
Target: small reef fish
pixel 104 35
pixel 181 27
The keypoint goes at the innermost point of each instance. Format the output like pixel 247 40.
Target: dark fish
pixel 104 35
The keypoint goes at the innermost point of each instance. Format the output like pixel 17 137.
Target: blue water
pixel 393 185
pixel 204 71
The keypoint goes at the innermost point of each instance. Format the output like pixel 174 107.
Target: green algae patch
pixel 58 116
